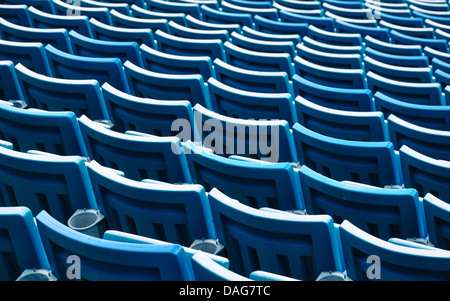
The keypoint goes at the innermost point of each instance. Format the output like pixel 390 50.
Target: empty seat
pixel 418 61
pixel 70 66
pixel 398 263
pixel 145 83
pixel 139 12
pixel 270 13
pixel 255 183
pixel 437 216
pixel 9 85
pixel 379 33
pixel 268 140
pixel 206 269
pixel 401 38
pixel 57 37
pixel 321 22
pixel 44 5
pixel 418 93
pixel 262 45
pixel 391 48
pixel 146 115
pixel 252 80
pixel 434 53
pixel 420 32
pixel 122 7
pixel 279 27
pixel 167 212
pixel 192 9
pixel 233 102
pixel 137 155
pixel 334 38
pixel 433 117
pixel 113 33
pixel 332 49
pixel 54 94
pixel 304 245
pixel 346 12
pixel 384 213
pixel 193 33
pixel 120 20
pixel 22 247
pixel 64 8
pixel 44 181
pixel 16 13
pixel 30 129
pixel 185 46
pixel 220 16
pixel 397 16
pixel 332 97
pixel 350 125
pixel 372 163
pixel 104 260
pixel 334 60
pixel 256 34
pixel 425 174
pixel 200 24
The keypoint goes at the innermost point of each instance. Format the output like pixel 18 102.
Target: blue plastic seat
pixel 379 33
pixel 443 78
pixel 58 37
pixel 332 97
pixel 44 5
pixel 346 4
pixel 192 9
pixel 269 13
pixel 330 76
pixel 16 13
pixel 64 8
pixel 304 245
pixel 399 73
pixel 432 53
pixel 40 19
pixel 145 83
pixel 53 132
pixel 187 46
pixel 346 12
pixel 262 45
pixel 223 17
pixel 312 12
pixel 237 103
pixel 197 23
pixel 54 94
pixel 418 93
pixel 22 247
pixel 256 34
pixel 158 61
pixel 332 49
pixel 139 12
pixel 391 48
pixel 350 125
pixel 30 54
pixel 334 60
pixel 428 116
pixel 86 46
pixel 113 33
pixel 334 38
pixel 425 174
pixel 430 142
pixel 372 163
pixel 437 216
pixel 146 115
pixel 192 33
pixel 119 6
pixel 398 60
pixel 420 32
pixel 249 3
pixel 441 34
pixel 70 66
pixel 167 212
pixel 206 269
pixel 105 260
pixel 398 16
pixel 254 183
pixel 267 140
pixel 436 25
pixel 251 80
pixel 120 20
pixel 321 22
pixel 401 38
pixel 384 213
pixel 138 155
pixel 279 27
pixel 433 6
pixel 44 181
pixel 306 5
pixel 439 13
pixel 258 60
pixel 398 263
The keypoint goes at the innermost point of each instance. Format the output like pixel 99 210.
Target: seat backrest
pixel 139 156
pixel 437 217
pixel 304 245
pixel 175 17
pixel 119 19
pixel 347 26
pixel 104 260
pixel 341 60
pixel 168 212
pixel 334 38
pixel 206 269
pixel 397 59
pixel 16 13
pixel 9 84
pixel 391 48
pixel 398 263
pixel 192 9
pixel 64 8
pixel 53 132
pixel 274 26
pixel 321 22
pixel 55 94
pixel 220 16
pixel 263 45
pixel 384 213
pixel 372 163
pixel 193 33
pixel 21 244
pixel 401 38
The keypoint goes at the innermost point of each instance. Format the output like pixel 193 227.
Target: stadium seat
pixel 139 12
pixel 16 13
pixel 397 16
pixel 200 24
pixel 325 23
pixel 350 125
pixel 255 183
pixel 398 263
pixel 391 48
pixel 420 32
pixel 192 33
pixel 372 163
pixel 121 7
pixel 334 38
pixel 139 156
pixel 384 213
pixel 401 38
pixel 44 5
pixel 44 181
pixel 223 17
pixel 31 129
pixel 205 269
pixel 271 26
pixel 236 103
pixel 163 211
pixel 437 216
pixel 120 20
pixel 334 60
pixel 434 53
pixel 269 13
pixel 104 260
pixel 256 34
pixel 81 96
pixel 425 174
pixel 64 8
pixel 417 61
pixel 9 85
pixel 304 245
pixel 330 48
pixel 192 9
pixel 71 66
pixel 262 45
pixel 380 33
pixel 22 247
